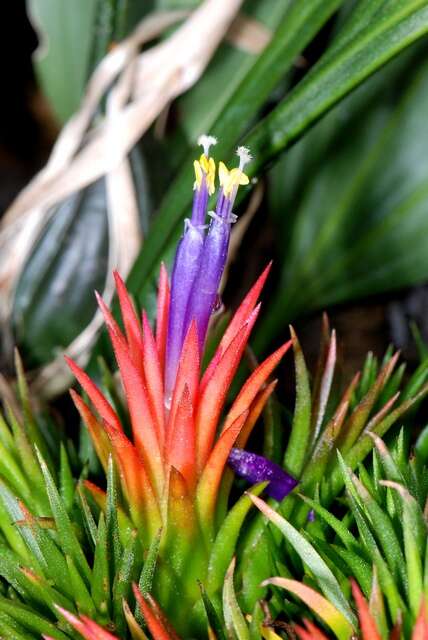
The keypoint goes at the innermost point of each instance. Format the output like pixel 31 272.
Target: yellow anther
pixel 205 167
pixel 231 179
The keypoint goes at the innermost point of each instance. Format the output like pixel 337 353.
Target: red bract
pixel 172 465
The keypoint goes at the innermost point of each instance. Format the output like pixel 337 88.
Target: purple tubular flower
pixel 187 263
pixel 186 266
pixel 200 261
pixel 256 468
pixel 205 287
pixel 200 202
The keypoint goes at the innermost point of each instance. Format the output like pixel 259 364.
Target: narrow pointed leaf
pixel 332 617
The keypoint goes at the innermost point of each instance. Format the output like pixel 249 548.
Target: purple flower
pixel 186 266
pixel 187 261
pixel 213 260
pixel 256 468
pixel 200 258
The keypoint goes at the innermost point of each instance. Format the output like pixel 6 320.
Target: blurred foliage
pixel 74 36
pixel 65 31
pixel 350 200
pixel 345 203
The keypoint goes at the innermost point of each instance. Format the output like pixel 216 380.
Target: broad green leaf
pixel 54 299
pixel 203 104
pixel 393 29
pixel 350 223
pixel 65 30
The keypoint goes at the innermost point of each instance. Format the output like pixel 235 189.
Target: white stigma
pixel 206 142
pixel 244 156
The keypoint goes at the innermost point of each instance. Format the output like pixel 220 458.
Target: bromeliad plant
pixel 171 463
pixel 155 549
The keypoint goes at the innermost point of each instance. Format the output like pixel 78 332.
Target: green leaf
pixel 311 559
pixel 257 619
pixel 421 446
pixel 10 469
pixel 415 535
pixel 81 595
pixel 334 618
pixel 226 539
pixel 66 480
pixel 26 617
pixel 11 534
pixel 352 221
pixel 387 581
pixel 12 630
pixel 100 583
pixel 212 616
pixel 112 524
pixel 45 555
pixel 394 28
pixel 66 535
pixel 29 423
pixel 359 568
pixel 126 574
pixel 62 24
pixel 384 531
pixel 364 445
pixel 233 616
pixel 203 104
pixel 256 562
pixel 146 579
pixel 338 527
pixel 87 517
pixel 54 298
pixel 300 437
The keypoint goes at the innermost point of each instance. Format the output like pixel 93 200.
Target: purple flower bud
pixel 256 468
pixel 200 203
pixel 205 287
pixel 186 266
